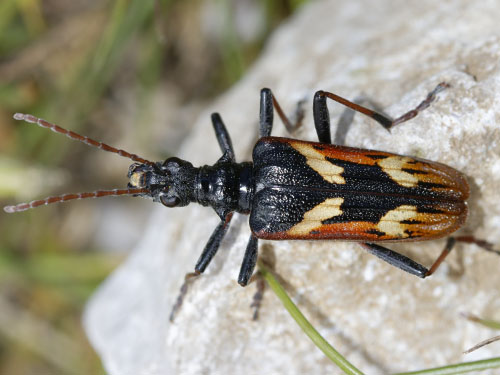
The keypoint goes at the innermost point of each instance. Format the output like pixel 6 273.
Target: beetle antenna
pixel 68 197
pixel 77 137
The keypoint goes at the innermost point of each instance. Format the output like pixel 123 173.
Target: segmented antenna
pixel 69 197
pixel 77 137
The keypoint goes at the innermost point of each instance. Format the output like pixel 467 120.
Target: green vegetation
pixel 90 65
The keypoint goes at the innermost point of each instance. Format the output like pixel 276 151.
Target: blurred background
pixel 131 73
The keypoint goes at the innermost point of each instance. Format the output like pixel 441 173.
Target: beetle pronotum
pixel 299 190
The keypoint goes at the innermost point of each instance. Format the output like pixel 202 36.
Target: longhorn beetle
pixel 299 190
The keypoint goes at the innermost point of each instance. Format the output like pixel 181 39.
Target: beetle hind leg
pixel 322 116
pixel 397 260
pixel 485 245
pixel 407 264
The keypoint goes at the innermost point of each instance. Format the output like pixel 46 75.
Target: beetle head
pixel 169 182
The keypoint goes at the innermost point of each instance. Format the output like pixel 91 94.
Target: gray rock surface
pixel 380 318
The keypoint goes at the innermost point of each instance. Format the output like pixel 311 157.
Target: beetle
pixel 301 190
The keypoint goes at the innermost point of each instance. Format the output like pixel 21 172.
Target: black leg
pixel 266 112
pixel 249 261
pixel 410 266
pixel 406 264
pixel 212 245
pixel 188 280
pixel 223 137
pixel 267 103
pixel 258 296
pixel 207 255
pixel 395 259
pixel 322 120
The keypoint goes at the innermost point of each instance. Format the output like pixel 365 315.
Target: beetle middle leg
pixel 267 105
pixel 258 296
pixel 249 261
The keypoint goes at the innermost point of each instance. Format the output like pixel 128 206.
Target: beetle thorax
pixel 225 186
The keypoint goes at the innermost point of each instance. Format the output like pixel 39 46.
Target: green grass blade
pixel 301 320
pixel 493 324
pixel 461 368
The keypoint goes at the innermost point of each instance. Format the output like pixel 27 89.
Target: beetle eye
pixel 173 161
pixel 169 201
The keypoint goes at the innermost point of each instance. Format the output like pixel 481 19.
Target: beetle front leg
pixel 223 137
pixel 188 280
pixel 213 244
pixel 206 257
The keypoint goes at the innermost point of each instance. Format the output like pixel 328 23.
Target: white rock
pixel 380 318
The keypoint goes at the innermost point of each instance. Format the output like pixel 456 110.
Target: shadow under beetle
pixel 305 190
